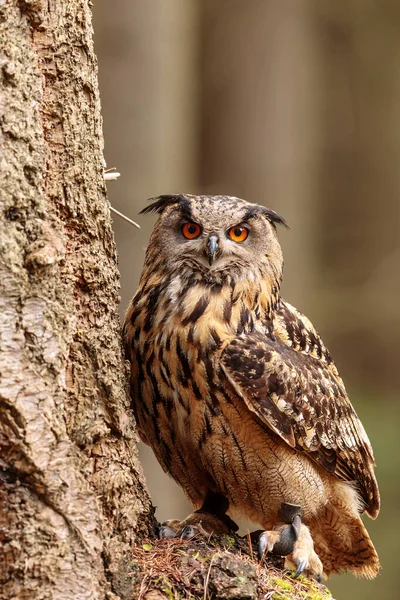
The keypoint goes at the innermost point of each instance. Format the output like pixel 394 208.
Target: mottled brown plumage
pixel 233 388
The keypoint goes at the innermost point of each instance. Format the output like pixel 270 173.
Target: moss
pixel 317 595
pixel 288 589
pixel 282 583
pixel 165 586
pixel 168 590
pixel 228 541
pixel 315 592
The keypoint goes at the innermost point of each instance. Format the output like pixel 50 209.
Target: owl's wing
pixel 303 400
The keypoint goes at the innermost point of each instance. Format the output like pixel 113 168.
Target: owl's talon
pixel 174 529
pixel 300 568
pixel 166 532
pixel 169 529
pixel 187 533
pixel 304 558
pixel 282 538
pixel 210 519
pixel 280 541
pixel 293 540
pixel 266 542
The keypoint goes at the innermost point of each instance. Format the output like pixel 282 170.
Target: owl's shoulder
pixel 296 331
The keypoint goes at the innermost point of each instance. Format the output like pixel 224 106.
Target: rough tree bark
pixel 74 509
pixel 72 494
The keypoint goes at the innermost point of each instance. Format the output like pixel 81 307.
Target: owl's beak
pixel 212 249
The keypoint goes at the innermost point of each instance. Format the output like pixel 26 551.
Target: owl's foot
pixel 293 540
pixel 210 519
pixel 281 540
pixel 304 558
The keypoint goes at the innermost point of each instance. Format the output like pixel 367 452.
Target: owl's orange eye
pixel 238 233
pixel 191 230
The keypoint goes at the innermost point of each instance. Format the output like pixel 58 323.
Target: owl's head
pixel 215 236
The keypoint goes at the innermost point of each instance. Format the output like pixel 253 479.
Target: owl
pixel 237 395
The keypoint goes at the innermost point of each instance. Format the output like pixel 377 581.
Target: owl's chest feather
pixel 176 349
pixel 180 379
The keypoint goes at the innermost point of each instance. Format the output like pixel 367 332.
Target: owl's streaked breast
pixel 175 366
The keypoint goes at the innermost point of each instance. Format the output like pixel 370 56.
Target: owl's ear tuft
pixel 160 203
pixel 274 218
pixel 269 214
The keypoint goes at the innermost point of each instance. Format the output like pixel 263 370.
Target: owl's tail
pixel 343 544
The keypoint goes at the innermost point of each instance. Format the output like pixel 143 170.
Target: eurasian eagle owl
pixel 236 393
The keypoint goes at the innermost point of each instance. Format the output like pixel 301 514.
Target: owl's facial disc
pixel 216 236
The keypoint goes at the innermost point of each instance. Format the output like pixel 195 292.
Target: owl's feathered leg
pixel 293 540
pixel 211 518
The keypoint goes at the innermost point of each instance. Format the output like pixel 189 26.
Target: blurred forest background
pixel 294 104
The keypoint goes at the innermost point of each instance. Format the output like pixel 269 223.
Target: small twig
pixel 114 210
pixel 144 586
pixel 208 578
pixel 111 174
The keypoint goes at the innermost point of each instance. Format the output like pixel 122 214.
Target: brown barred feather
pixel 305 403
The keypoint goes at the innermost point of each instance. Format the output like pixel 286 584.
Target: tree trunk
pixel 72 493
pixel 74 509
